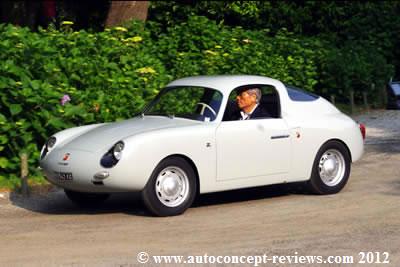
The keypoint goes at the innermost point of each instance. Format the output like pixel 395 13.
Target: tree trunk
pixel 121 11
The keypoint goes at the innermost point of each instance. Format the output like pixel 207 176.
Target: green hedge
pixel 373 22
pixel 110 75
pixel 200 46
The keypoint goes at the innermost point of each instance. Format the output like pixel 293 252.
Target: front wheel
pixel 171 188
pixel 331 169
pixel 86 199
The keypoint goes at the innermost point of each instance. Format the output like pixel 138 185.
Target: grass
pixel 13 183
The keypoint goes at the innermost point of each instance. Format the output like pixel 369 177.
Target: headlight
pixel 111 158
pixel 117 151
pixel 51 142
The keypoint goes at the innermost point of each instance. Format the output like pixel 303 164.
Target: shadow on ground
pixel 55 202
pixel 247 194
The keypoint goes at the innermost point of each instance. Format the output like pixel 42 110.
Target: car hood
pixel 107 135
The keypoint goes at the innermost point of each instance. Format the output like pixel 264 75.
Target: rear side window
pixel 297 94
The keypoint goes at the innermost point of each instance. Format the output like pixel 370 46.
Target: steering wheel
pixel 204 105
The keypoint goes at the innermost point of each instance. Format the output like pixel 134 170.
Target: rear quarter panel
pixel 316 123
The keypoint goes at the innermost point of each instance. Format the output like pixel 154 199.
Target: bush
pixel 336 21
pixel 107 76
pixel 202 47
pixel 55 79
pixel 355 66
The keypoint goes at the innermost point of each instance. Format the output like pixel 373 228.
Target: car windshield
pixel 396 88
pixel 190 102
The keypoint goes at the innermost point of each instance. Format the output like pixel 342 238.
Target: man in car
pixel 248 101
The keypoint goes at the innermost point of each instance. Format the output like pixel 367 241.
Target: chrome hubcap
pixel 172 186
pixel 332 167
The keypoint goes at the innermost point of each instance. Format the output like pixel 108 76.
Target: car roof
pixel 224 83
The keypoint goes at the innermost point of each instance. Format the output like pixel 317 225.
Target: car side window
pixel 269 103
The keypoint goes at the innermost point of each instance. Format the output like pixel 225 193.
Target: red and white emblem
pixel 66 156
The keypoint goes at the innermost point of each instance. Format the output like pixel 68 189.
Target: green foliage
pixel 110 75
pixel 341 20
pixel 202 47
pixel 9 182
pixel 374 23
pixel 356 66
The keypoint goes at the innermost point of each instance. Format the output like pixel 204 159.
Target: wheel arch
pixel 340 141
pixel 191 163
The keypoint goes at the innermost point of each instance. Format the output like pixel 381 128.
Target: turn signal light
pixel 101 175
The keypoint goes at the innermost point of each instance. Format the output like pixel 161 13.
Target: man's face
pixel 245 100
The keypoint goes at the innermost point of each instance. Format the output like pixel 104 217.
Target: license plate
pixel 65 176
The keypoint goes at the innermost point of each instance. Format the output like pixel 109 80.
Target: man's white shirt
pixel 246 116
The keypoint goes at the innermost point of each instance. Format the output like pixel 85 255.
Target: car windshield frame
pixel 210 92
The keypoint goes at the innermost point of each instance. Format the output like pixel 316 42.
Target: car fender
pixel 195 142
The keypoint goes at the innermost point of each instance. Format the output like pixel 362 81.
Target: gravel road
pixel 383 126
pixel 47 230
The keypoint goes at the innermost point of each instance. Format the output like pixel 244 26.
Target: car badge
pixel 66 156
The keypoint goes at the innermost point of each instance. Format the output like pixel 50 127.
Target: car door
pixel 252 148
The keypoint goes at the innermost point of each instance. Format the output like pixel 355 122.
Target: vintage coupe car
pixel 185 143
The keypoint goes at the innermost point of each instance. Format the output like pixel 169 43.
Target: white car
pixel 185 143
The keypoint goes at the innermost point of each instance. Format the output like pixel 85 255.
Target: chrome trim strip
pixel 280 136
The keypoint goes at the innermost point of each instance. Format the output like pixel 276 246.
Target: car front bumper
pixel 81 171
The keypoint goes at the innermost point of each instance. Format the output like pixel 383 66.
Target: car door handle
pixel 280 136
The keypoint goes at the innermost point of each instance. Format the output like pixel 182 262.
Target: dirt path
pixel 383 126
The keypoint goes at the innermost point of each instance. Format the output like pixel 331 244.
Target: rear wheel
pixel 331 169
pixel 86 199
pixel 171 188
